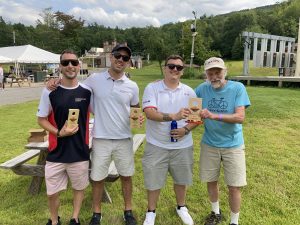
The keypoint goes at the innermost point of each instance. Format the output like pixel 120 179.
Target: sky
pixel 124 14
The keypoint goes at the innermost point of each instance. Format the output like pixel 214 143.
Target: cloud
pixel 15 12
pixel 115 18
pixel 121 13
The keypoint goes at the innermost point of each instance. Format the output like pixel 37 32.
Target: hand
pixel 206 114
pixel 177 133
pixel 52 84
pixel 182 114
pixel 141 119
pixel 68 131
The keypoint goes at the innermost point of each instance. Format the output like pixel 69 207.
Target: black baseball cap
pixel 122 47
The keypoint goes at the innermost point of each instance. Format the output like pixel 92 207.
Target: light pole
pixel 194 33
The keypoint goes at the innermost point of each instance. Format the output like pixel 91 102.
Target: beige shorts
pixel 233 160
pixel 106 150
pixel 57 174
pixel 157 162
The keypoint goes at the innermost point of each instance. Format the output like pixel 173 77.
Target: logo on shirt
pixel 80 99
pixel 146 101
pixel 216 105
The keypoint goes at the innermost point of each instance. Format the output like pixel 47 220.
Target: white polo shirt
pixel 112 100
pixel 158 95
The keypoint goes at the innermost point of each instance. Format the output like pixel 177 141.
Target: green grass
pixel 271 132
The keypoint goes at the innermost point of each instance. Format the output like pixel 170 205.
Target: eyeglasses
pixel 66 62
pixel 172 67
pixel 118 55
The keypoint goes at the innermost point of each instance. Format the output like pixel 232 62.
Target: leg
pixel 78 196
pixel 53 203
pixel 127 191
pixel 153 197
pixel 213 191
pixel 180 192
pixel 234 198
pixel 98 187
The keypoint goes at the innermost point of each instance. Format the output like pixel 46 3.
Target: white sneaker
pixel 184 215
pixel 150 218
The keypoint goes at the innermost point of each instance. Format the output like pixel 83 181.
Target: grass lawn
pixel 272 196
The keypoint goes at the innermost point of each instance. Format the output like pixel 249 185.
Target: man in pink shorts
pixel 69 154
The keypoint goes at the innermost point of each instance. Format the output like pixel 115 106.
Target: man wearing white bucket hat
pixel 224 103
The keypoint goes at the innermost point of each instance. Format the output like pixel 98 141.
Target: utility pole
pixel 14 37
pixel 194 33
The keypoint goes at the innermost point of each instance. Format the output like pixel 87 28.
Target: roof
pixel 28 54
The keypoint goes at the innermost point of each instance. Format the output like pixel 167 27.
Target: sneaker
pixel 213 218
pixel 73 222
pixel 150 218
pixel 129 218
pixel 50 222
pixel 96 220
pixel 184 215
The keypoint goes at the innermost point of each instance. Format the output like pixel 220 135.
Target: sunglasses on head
pixel 118 55
pixel 172 67
pixel 66 62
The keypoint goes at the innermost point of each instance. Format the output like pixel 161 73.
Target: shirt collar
pixel 108 77
pixel 165 88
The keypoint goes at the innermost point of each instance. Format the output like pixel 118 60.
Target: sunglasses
pixel 118 55
pixel 66 62
pixel 172 67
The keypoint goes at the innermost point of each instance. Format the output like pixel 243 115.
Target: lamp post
pixel 194 33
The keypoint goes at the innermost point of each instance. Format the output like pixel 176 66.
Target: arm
pixel 65 131
pixel 237 117
pixel 52 84
pixel 153 114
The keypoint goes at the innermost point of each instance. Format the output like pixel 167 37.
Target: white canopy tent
pixel 28 54
pixel 4 59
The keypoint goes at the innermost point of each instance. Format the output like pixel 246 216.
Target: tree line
pixel 217 35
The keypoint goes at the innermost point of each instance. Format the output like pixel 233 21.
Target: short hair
pixel 68 51
pixel 173 57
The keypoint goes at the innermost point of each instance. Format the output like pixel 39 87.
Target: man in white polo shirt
pixel 114 94
pixel 165 101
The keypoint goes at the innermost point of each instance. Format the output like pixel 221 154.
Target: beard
pixel 217 83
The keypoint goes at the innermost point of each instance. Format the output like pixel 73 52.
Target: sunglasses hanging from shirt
pixel 172 67
pixel 67 62
pixel 118 55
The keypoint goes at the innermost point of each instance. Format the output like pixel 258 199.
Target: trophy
pixel 134 117
pixel 195 105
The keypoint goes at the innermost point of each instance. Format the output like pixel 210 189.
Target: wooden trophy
pixel 73 118
pixel 195 105
pixel 135 113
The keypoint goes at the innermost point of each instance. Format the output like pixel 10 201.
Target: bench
pixel 37 171
pixel 19 160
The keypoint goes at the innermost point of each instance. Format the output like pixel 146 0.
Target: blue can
pixel 173 126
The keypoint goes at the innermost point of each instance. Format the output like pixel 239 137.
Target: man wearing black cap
pixel 114 95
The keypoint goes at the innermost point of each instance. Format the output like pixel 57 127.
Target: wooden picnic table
pixel 20 81
pixel 37 171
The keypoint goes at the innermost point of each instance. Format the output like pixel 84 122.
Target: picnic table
pixel 19 80
pixel 37 171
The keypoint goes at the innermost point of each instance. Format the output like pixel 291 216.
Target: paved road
pixel 15 95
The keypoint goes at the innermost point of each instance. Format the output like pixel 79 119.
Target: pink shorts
pixel 57 174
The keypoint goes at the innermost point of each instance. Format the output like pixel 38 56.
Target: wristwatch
pixel 187 131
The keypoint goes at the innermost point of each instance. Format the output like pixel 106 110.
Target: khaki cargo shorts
pixel 232 159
